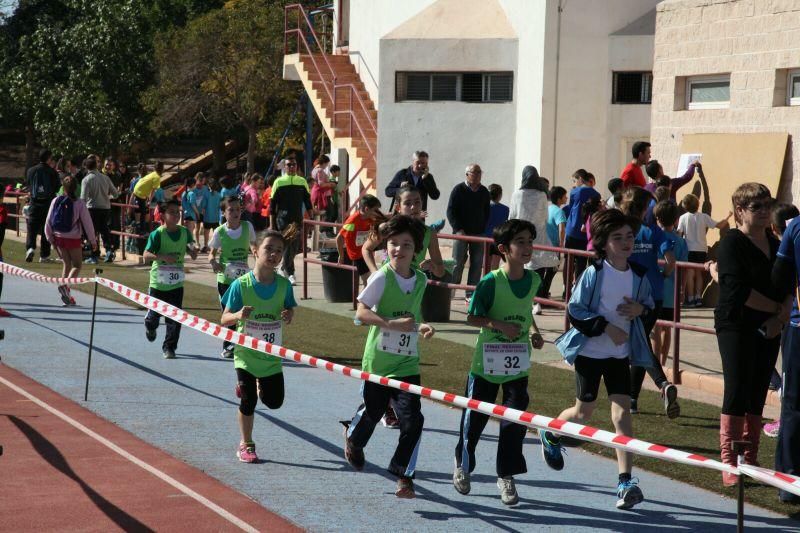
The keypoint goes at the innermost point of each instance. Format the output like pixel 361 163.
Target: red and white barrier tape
pixel 591 434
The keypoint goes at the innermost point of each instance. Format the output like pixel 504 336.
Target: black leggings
pixel 747 362
pixel 656 371
pixel 547 275
pixel 270 390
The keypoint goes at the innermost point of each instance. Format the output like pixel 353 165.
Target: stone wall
pixel 757 42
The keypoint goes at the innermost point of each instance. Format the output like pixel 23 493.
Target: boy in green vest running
pixel 233 240
pixel 501 307
pixel 258 303
pixel 166 248
pixel 390 304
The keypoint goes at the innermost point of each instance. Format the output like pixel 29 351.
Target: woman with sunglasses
pixel 748 320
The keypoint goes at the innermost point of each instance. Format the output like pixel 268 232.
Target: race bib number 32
pixel 505 358
pixel 398 342
pixel 267 331
pixel 170 275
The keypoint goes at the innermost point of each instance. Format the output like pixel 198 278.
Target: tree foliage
pixel 223 70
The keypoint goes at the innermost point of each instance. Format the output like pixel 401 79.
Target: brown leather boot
pixel 731 428
pixel 752 434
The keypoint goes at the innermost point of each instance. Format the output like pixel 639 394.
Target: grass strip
pixel 445 365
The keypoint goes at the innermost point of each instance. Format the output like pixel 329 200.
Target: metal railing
pixel 675 324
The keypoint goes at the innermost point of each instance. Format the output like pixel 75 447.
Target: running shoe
pixel 109 257
pixel 29 255
pixel 292 280
pixel 91 261
pixel 390 420
pixel 150 333
pixel 508 490
pixel 72 301
pixel 537 308
pixel 461 481
pixel 669 393
pixel 405 488
pixel 771 429
pixel 247 452
pixel 634 406
pixel 355 456
pixel 227 353
pixel 63 291
pixel 629 494
pixel 4 313
pixel 552 450
pixel 47 259
pixel 169 353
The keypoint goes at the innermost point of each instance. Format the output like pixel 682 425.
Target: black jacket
pixel 426 186
pixel 468 210
pixel 42 182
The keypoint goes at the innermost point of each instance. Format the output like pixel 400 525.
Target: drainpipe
pixel 555 103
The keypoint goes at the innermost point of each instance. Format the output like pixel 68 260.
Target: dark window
pixel 474 87
pixel 632 88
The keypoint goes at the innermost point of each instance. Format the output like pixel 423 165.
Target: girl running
pixel 258 303
pixel 67 220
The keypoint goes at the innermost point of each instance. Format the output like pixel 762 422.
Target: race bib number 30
pixel 235 270
pixel 267 331
pixel 170 275
pixel 398 342
pixel 505 358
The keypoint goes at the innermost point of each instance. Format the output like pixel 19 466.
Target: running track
pixel 55 477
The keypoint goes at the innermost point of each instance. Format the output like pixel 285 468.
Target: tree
pixel 224 69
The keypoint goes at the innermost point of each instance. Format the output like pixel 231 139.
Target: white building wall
pixel 453 133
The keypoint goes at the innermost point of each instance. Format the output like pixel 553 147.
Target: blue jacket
pixel 586 322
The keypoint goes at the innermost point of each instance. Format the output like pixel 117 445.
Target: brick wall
pixel 757 42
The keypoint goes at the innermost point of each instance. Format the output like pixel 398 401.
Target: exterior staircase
pixel 339 97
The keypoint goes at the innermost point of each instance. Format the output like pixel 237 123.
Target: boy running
pixel 354 234
pixel 501 307
pixel 233 240
pixel 166 248
pixel 606 311
pixel 391 305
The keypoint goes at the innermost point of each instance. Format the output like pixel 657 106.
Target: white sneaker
pixel 537 308
pixel 292 280
pixel 508 490
pixel 461 480
pixel 29 255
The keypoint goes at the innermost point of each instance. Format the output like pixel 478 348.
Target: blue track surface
pixel 187 407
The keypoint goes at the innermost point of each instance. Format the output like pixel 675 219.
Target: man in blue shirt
pixel 785 276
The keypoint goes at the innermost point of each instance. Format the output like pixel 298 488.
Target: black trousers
pixel 221 288
pixel 37 222
pixel 747 363
pixel 787 455
pixel 656 371
pixel 290 250
pixel 270 390
pixel 115 224
pixel 100 219
pixel 509 461
pixel 173 297
pixel 547 275
pixel 406 406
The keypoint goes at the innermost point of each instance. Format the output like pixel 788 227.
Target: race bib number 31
pixel 399 342
pixel 235 270
pixel 505 358
pixel 170 275
pixel 267 331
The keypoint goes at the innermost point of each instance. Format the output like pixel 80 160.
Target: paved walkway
pixel 186 407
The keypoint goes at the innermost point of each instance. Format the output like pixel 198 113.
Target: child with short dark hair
pixel 576 238
pixel 355 232
pixel 606 311
pixel 391 305
pixel 498 213
pixel 666 213
pixel 211 211
pixel 693 227
pixel 501 307
pixel 166 248
pixel 258 303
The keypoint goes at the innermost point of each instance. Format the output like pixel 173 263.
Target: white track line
pixel 238 522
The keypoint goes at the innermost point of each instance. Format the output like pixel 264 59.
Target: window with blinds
pixel 471 87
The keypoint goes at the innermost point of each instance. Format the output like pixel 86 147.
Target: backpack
pixel 62 214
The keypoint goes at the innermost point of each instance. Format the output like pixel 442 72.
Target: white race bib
pixel 398 342
pixel 505 358
pixel 266 331
pixel 235 270
pixel 170 275
pixel 361 237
